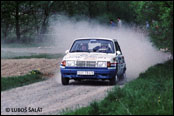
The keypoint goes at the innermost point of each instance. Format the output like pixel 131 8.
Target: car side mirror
pixel 118 52
pixel 67 51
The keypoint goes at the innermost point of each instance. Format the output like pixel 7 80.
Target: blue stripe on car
pixel 99 73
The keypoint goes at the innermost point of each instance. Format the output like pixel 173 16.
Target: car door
pixel 121 65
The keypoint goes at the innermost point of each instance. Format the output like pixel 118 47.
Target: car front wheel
pixel 112 81
pixel 65 81
pixel 122 77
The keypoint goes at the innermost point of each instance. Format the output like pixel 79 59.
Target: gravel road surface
pixel 46 97
pixel 52 97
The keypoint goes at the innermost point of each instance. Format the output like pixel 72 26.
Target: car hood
pixel 89 56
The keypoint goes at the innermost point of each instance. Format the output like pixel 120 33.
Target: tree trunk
pixel 108 6
pixel 6 31
pixel 89 9
pixel 17 21
pixel 44 23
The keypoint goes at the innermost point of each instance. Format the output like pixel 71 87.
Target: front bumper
pixel 99 73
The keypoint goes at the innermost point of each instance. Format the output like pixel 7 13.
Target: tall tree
pixel 159 14
pixel 17 20
pixel 46 7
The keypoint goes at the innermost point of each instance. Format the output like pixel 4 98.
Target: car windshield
pixel 93 45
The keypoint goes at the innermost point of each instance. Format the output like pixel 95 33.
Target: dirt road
pixel 50 96
pixel 17 67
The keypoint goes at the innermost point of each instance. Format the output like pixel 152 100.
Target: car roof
pixel 96 38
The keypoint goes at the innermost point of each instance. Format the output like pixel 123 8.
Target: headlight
pixel 63 63
pixel 102 64
pixel 70 63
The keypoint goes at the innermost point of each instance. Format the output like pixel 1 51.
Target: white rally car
pixel 93 58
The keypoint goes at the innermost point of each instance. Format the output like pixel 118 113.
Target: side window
pixel 117 47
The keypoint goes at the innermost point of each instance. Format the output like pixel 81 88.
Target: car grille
pixel 86 63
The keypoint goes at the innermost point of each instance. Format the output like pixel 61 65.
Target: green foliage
pixel 151 93
pixel 28 19
pixel 43 55
pixel 32 18
pixel 35 72
pixel 17 81
pixel 159 14
pixel 94 110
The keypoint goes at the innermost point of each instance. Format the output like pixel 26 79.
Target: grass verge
pixel 23 45
pixel 42 55
pixel 17 81
pixel 151 93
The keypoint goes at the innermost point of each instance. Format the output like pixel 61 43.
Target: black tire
pixel 112 81
pixel 122 77
pixel 65 81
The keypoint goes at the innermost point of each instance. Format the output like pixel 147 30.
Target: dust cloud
pixel 57 77
pixel 137 49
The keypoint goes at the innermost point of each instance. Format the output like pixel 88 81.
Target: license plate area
pixel 85 72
